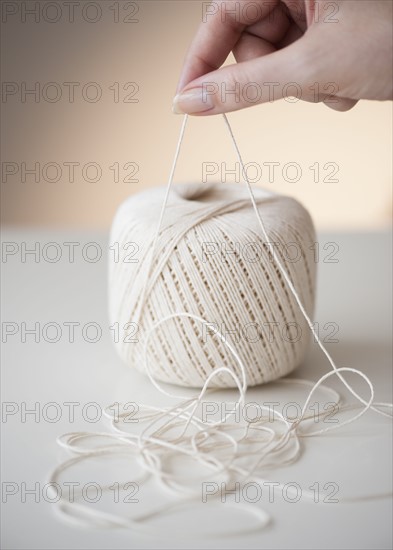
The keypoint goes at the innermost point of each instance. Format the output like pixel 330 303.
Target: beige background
pixel 150 53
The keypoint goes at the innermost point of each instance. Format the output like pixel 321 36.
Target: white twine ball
pixel 211 261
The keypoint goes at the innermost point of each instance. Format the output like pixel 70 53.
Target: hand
pixel 336 52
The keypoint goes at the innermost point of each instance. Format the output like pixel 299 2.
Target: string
pixel 179 430
pixel 274 255
pixel 163 208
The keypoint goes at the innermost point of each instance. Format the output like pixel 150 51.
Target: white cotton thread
pixel 171 276
pixel 197 438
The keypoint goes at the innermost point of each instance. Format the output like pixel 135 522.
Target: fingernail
pixel 192 102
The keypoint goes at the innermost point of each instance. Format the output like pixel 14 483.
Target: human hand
pixel 335 52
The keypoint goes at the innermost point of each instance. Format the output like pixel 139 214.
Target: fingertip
pixel 194 101
pixel 341 104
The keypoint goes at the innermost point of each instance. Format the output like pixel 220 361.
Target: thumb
pixel 283 73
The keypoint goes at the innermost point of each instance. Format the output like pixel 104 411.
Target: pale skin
pixel 336 52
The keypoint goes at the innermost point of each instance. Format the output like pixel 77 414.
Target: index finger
pixel 223 22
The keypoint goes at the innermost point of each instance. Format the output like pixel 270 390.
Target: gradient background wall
pixel 149 52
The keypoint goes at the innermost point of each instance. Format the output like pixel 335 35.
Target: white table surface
pixel 355 293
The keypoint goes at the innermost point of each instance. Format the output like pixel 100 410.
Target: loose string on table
pixel 220 446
